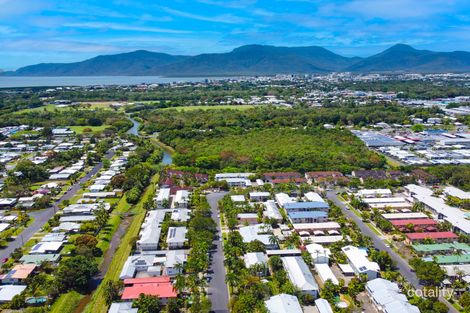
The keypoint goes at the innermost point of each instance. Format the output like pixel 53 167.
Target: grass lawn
pixel 115 219
pixel 211 107
pixel 67 302
pixel 49 107
pixel 80 129
pixel 392 163
pixel 162 145
pixel 98 104
pixel 97 303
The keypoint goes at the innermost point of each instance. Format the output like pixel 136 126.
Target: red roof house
pixel 152 286
pixel 418 225
pixel 445 236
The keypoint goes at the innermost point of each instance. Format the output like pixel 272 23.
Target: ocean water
pixel 30 81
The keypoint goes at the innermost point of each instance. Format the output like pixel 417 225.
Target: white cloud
pixel 125 27
pixel 224 18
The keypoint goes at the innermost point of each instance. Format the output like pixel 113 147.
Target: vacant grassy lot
pixel 48 107
pixel 67 302
pixel 275 149
pixel 80 129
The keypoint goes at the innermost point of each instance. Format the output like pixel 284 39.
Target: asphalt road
pixel 218 292
pixel 41 217
pixel 401 264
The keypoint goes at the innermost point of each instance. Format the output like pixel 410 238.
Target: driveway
pixel 401 264
pixel 41 217
pixel 218 292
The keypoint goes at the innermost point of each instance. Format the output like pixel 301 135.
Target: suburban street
pixel 41 217
pixel 218 292
pixel 401 264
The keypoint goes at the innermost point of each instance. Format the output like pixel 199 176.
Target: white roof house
pixel 372 193
pixel 163 196
pixel 238 198
pixel 181 215
pixel 181 199
pixel 150 230
pixel 283 303
pixel 384 200
pixel 455 216
pixel 54 237
pixel 77 218
pixel 235 179
pixel 174 257
pixel 313 197
pixel 97 187
pixel 259 195
pixel 316 226
pixel 176 237
pixel 323 306
pixel 122 307
pixel 404 216
pixel 283 198
pixel 136 263
pixel 326 240
pixel 103 194
pixel 319 254
pixel 359 262
pixel 456 192
pixel 254 258
pixel 387 297
pixel 7 201
pixel 8 292
pixel 300 275
pixel 325 273
pixel 46 247
pixel 224 176
pixel 67 226
pixel 256 232
pixel 271 210
pixel 4 226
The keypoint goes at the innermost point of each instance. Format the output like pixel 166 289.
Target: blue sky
pixel 34 31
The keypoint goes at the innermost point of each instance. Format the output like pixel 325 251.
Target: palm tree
pixel 273 240
pixel 180 283
pixel 232 279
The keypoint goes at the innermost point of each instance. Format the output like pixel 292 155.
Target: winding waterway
pixel 134 130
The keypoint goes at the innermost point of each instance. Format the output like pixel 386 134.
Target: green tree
pixel 147 304
pixel 75 273
pixel 417 128
pixel 102 216
pixel 111 290
pixel 464 300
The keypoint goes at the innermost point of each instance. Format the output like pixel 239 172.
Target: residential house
pixel 176 237
pixel 357 258
pixel 152 286
pixel 299 274
pixel 259 196
pixel 163 198
pixel 18 274
pixel 319 254
pixel 387 298
pixel 283 303
pixel 181 199
pixel 326 178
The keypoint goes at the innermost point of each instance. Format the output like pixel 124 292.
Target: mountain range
pixel 255 60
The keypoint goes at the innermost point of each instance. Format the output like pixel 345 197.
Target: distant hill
pixel 255 60
pixel 405 58
pixel 137 63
